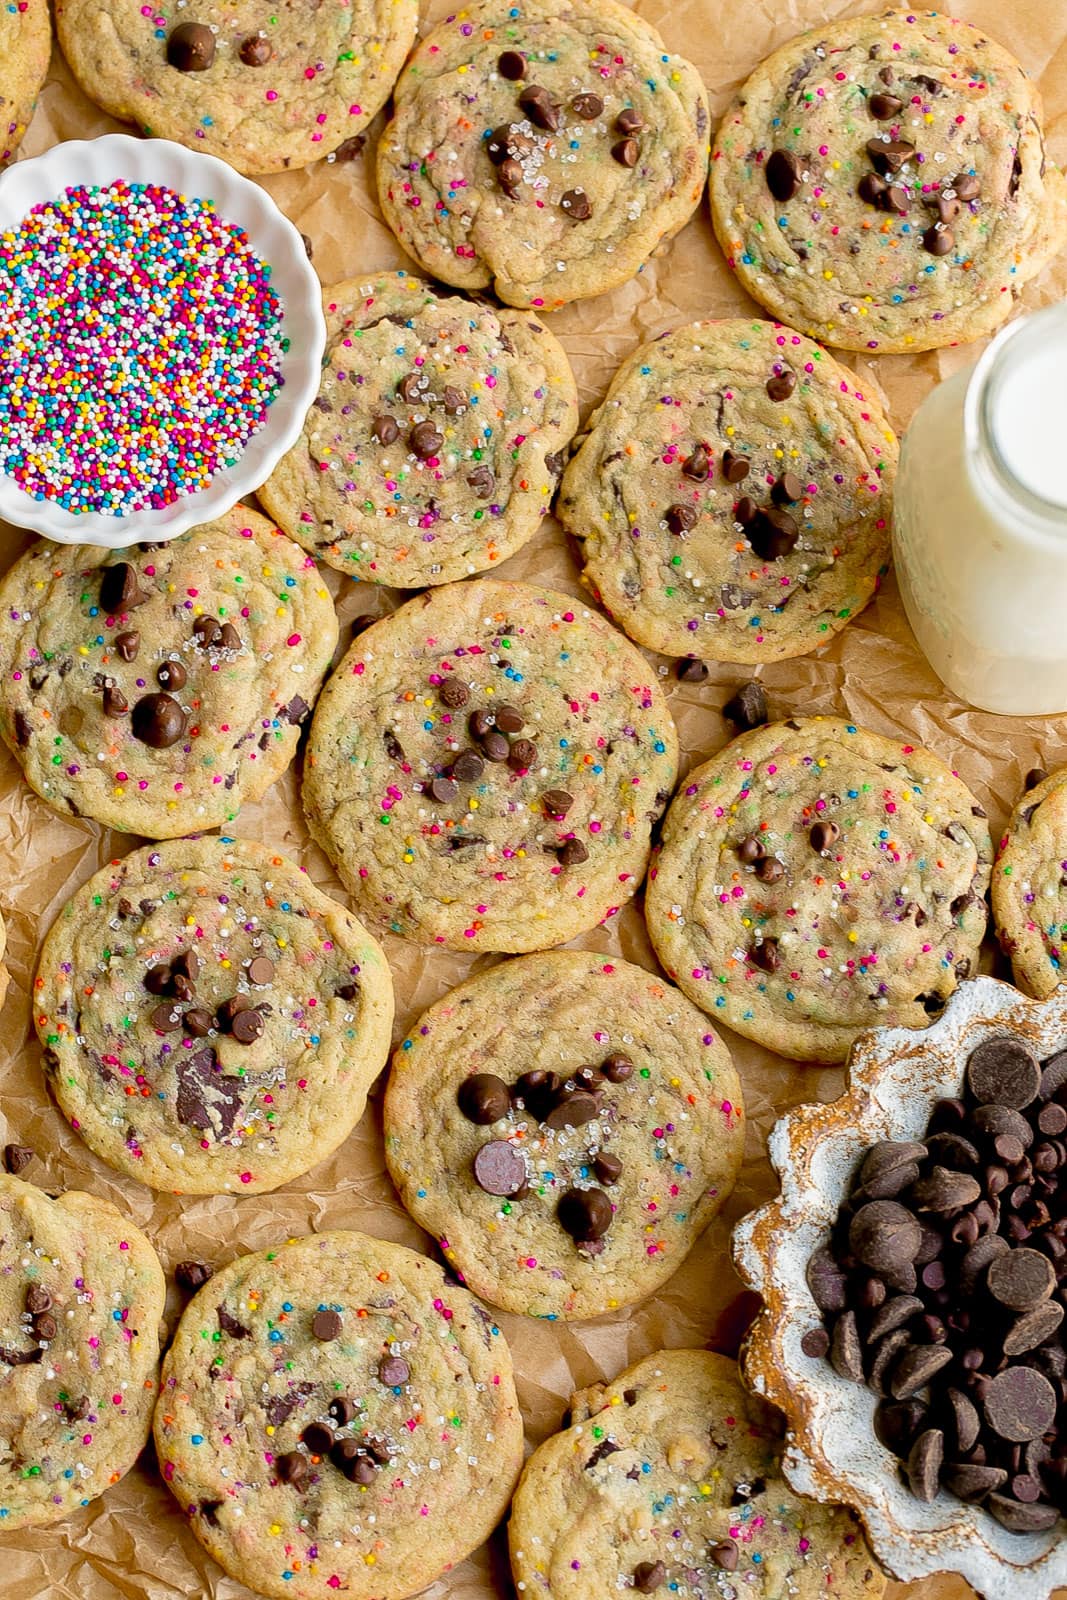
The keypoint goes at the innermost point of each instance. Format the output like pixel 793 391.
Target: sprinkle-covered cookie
pixel 566 1127
pixel 544 149
pixel 156 689
pixel 669 1482
pixel 81 1297
pixel 210 1021
pixel 334 1416
pixel 264 87
pixel 437 438
pixel 25 48
pixel 881 182
pixel 732 494
pixel 1030 885
pixel 816 880
pixel 486 765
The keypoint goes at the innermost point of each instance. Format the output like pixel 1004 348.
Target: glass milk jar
pixel 980 522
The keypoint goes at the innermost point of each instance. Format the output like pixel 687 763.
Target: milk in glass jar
pixel 980 522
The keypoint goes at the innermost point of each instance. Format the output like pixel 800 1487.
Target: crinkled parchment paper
pixel 133 1541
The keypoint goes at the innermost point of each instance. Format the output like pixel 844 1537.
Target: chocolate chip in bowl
pixel 910 1272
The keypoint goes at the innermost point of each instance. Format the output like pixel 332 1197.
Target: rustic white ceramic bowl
pixel 894 1077
pixel 274 239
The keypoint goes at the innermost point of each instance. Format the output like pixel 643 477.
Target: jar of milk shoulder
pixel 980 522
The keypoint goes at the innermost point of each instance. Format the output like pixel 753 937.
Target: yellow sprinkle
pixel 852 936
pixel 472 805
pixel 227 962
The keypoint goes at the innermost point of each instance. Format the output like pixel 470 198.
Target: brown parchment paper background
pixel 133 1542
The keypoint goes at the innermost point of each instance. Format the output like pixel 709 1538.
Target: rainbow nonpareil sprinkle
pixel 140 347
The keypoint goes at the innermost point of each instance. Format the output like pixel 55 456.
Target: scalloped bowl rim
pixel 275 239
pixel 894 1076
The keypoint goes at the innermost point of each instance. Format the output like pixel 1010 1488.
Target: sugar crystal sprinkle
pixel 140 347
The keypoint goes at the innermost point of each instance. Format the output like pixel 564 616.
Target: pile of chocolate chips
pixel 557 1103
pixel 943 1287
pixel 239 1016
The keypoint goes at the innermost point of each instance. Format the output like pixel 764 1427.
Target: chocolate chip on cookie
pixel 191 47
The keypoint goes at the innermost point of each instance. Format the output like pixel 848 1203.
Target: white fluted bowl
pixel 275 240
pixel 895 1075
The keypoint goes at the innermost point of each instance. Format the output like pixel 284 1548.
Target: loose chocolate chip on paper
pixel 747 708
pixel 192 1275
pixel 191 47
pixel 17 1158
pixel 691 670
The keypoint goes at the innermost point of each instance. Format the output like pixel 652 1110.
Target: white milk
pixel 980 522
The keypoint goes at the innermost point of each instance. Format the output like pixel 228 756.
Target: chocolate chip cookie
pixel 485 767
pixel 211 1022
pixel 81 1297
pixel 264 87
pixel 25 48
pixel 815 880
pixel 544 149
pixel 881 182
pixel 1030 885
pixel 156 689
pixel 566 1126
pixel 669 1481
pixel 733 493
pixel 379 1436
pixel 437 438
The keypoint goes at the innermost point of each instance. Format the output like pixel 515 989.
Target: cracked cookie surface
pixel 485 767
pixel 334 1415
pixel 211 1021
pixel 544 149
pixel 815 880
pixel 881 183
pixel 669 1481
pixel 435 444
pixel 733 493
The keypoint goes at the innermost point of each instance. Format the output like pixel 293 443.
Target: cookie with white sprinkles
pixel 335 1416
pixel 733 493
pixel 544 149
pixel 566 1126
pixel 264 87
pixel 211 1022
pixel 669 1482
pixel 881 183
pixel 159 691
pixel 485 767
pixel 81 1298
pixel 25 48
pixel 815 880
pixel 437 439
pixel 1029 895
